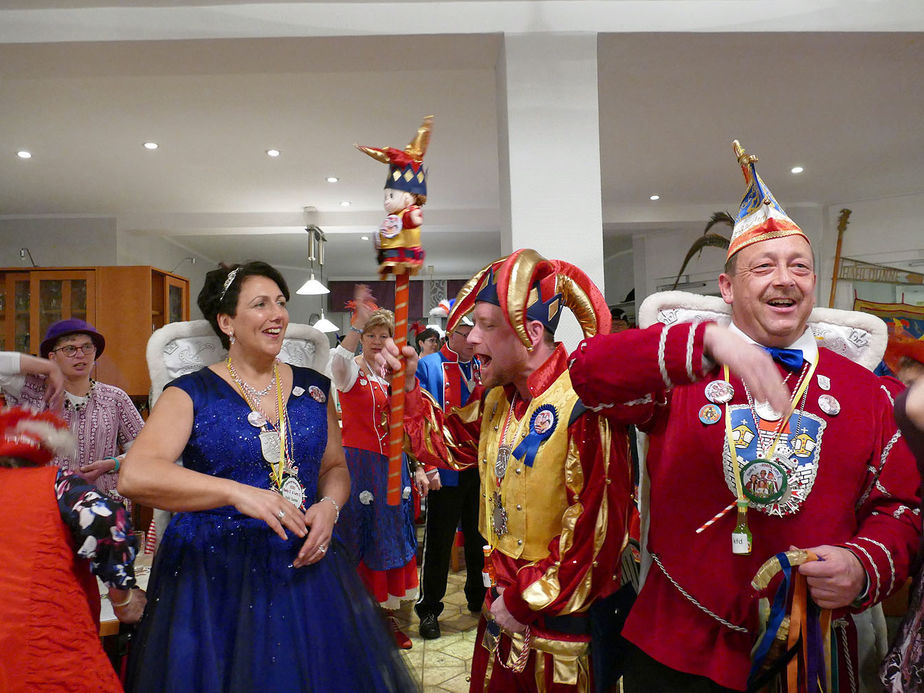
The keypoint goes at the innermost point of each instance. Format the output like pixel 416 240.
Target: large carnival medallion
pixel 778 463
pixel 764 480
pixel 499 515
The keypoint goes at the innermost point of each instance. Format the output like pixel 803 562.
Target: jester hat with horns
pixel 405 167
pixel 528 287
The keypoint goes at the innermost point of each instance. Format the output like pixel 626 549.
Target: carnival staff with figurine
pixel 834 477
pixel 554 477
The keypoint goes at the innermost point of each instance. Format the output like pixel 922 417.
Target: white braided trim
pixel 690 335
pixel 888 394
pixel 841 625
pixel 872 563
pixel 689 597
pixel 882 460
pixel 662 365
pixel 647 399
pixel 888 555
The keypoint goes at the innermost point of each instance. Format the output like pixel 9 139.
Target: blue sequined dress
pixel 225 611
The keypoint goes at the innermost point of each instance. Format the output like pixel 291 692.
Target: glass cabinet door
pixel 59 296
pixel 22 324
pixel 50 304
pixel 177 308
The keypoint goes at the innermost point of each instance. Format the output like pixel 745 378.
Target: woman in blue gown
pixel 251 589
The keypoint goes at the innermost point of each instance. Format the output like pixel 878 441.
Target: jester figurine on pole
pixel 397 244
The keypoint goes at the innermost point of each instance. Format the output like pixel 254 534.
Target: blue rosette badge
pixel 541 427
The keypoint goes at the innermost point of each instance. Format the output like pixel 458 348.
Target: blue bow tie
pixel 788 358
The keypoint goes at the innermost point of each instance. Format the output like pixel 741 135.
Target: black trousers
pixel 447 508
pixel 646 675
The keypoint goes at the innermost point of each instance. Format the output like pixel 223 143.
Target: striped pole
pixel 396 434
pixel 716 517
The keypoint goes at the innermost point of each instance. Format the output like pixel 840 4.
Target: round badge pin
pixel 719 391
pixel 829 405
pixel 824 382
pixel 363 382
pixel 256 419
pixel 317 394
pixel 710 414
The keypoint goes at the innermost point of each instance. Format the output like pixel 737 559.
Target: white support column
pixel 549 147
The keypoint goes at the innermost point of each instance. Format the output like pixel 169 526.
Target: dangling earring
pixel 231 339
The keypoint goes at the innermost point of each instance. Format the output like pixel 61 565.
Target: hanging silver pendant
pixel 293 490
pixel 499 516
pixel 766 412
pixel 503 458
pixel 256 419
pixel 270 445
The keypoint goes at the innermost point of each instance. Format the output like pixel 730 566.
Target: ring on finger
pixel 281 514
pixel 322 548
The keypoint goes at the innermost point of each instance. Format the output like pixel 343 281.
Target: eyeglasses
pixel 71 351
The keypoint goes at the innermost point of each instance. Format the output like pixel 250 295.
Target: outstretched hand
pixel 749 362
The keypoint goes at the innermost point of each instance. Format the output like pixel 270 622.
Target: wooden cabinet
pixel 126 304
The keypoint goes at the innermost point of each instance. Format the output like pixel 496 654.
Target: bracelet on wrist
pixel 117 463
pixel 355 329
pixel 119 605
pixel 333 503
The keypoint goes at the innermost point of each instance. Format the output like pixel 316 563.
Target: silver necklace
pixel 249 389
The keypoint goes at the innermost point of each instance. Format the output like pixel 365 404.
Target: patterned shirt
pixel 101 529
pixel 105 426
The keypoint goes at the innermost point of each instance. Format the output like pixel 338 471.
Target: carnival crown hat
pixel 528 287
pixel 34 436
pixel 760 217
pixel 405 168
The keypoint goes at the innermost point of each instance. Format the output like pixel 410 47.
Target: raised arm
pixel 149 476
pixel 14 366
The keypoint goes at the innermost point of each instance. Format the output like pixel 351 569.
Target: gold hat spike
pixel 417 147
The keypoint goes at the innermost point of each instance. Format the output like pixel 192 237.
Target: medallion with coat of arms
pixel 775 484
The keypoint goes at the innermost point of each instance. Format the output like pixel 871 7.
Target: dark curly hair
pixel 215 299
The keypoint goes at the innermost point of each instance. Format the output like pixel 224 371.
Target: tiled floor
pixel 443 664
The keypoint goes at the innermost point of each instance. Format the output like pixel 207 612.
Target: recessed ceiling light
pixel 150 145
pixel 796 169
pixel 345 203
pixel 364 238
pixel 333 179
pixel 23 154
pixel 272 153
pixel 654 198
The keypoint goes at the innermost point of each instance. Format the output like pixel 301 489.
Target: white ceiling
pixel 846 106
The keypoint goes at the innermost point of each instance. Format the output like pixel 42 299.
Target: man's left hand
pixel 503 617
pixel 837 579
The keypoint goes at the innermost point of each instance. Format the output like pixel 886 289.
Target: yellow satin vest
pixel 534 497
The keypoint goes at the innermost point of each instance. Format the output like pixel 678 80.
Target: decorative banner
pixel 902 319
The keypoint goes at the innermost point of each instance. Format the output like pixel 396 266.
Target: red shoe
pixel 401 639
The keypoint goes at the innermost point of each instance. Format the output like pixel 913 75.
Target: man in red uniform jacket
pixel 555 478
pixel 825 471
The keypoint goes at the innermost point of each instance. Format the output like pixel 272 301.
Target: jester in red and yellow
pixel 555 479
pixel 798 437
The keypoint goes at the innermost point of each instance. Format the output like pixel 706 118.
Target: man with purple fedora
pixel 102 417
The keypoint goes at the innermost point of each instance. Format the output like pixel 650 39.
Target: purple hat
pixel 62 328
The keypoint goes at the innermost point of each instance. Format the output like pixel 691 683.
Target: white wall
pixel 58 241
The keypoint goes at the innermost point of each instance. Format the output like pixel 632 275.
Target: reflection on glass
pixel 79 299
pixel 22 296
pixel 175 309
pixel 49 303
pixel 21 324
